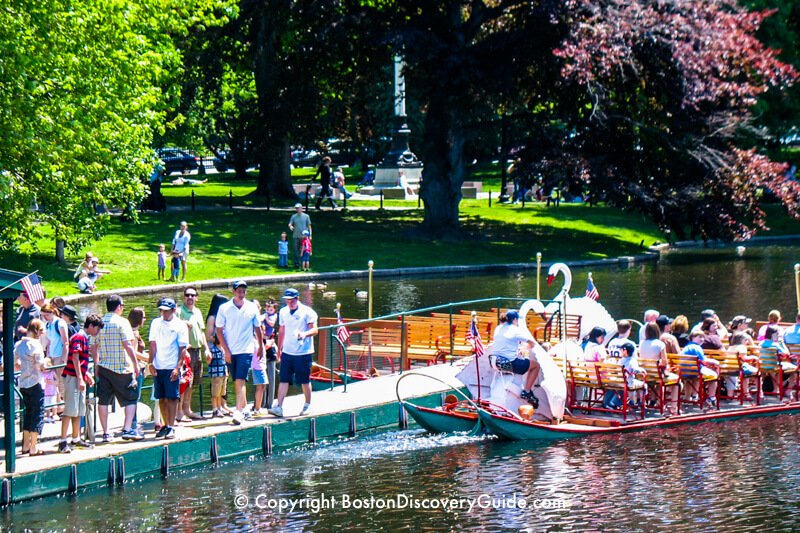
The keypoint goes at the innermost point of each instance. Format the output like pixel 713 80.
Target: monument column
pixel 400 157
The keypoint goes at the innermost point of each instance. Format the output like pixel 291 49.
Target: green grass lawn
pixel 232 243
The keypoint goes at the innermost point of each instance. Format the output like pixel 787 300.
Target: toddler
pixel 162 262
pixel 50 390
pixel 283 251
pixel 175 271
pixel 305 250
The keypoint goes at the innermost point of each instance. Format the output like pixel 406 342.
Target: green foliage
pixel 80 97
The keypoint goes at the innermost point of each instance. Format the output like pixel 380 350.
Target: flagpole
pixel 538 273
pixel 477 365
pixel 797 284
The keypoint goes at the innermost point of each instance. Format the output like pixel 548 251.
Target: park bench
pixel 583 389
pixel 613 377
pixel 730 367
pixel 659 381
pixel 690 375
pixel 770 365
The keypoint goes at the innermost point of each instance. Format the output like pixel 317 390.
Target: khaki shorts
pixel 219 386
pixel 74 399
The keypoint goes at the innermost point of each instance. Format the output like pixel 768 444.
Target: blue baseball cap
pixel 239 283
pixel 290 294
pixel 166 304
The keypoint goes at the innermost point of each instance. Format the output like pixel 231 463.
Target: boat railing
pixel 336 355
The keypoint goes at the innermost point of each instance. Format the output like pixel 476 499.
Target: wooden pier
pixel 367 405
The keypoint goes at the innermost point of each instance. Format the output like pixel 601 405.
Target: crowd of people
pixel 659 336
pixel 60 361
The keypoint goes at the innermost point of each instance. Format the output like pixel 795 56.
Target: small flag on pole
pixel 591 290
pixel 474 338
pixel 342 333
pixel 33 287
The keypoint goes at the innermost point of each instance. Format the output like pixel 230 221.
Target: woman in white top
pixel 653 348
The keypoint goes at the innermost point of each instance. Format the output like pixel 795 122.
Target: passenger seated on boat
pixel 709 368
pixel 654 349
pixel 739 324
pixel 623 336
pixel 747 362
pixel 635 374
pixel 670 341
pixel 680 328
pixel 773 341
pixel 791 335
pixel 711 337
pixel 505 347
pixel 594 350
pixel 773 318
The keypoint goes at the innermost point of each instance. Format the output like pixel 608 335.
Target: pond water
pixel 737 476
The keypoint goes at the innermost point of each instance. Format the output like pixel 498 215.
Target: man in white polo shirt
pixel 298 325
pixel 239 335
pixel 169 338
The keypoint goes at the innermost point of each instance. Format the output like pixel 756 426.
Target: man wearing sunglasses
pixel 198 348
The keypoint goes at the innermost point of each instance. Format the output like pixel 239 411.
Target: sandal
pixel 36 452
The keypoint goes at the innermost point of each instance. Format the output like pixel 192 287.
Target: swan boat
pixel 490 400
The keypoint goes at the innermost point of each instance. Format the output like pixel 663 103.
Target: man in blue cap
pixel 239 335
pixel 298 325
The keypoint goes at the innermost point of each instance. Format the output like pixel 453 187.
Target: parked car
pixel 226 163
pixel 177 160
pixel 305 158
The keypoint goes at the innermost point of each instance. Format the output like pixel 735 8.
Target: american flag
pixel 33 287
pixel 474 338
pixel 591 290
pixel 342 333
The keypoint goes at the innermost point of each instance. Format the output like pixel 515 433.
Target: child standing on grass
pixel 162 261
pixel 50 390
pixel 283 251
pixel 305 250
pixel 175 271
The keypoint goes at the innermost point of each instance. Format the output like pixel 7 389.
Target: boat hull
pixel 516 429
pixel 439 421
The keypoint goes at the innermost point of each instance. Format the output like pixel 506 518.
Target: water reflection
pixel 736 476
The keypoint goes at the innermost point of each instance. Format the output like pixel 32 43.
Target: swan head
pixel 553 271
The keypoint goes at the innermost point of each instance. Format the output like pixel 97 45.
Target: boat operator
pixel 544 387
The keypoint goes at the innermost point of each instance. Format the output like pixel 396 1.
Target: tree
pixel 464 60
pixel 665 90
pixel 80 97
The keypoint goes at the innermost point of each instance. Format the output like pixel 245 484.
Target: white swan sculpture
pixel 591 312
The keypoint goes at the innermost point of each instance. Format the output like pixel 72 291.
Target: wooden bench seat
pixel 659 381
pixel 689 372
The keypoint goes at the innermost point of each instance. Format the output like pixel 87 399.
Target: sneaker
pixel 237 418
pixel 258 413
pixel 131 434
pixel 106 438
pixel 216 414
pixel 247 415
pixel 163 431
pixel 170 433
pixel 526 395
pixel 276 411
pixel 82 444
pixel 306 409
pixel 63 447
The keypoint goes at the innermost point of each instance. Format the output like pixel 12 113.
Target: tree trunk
pixel 60 257
pixel 444 169
pixel 274 175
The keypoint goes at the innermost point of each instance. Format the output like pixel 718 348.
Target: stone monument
pixel 400 157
